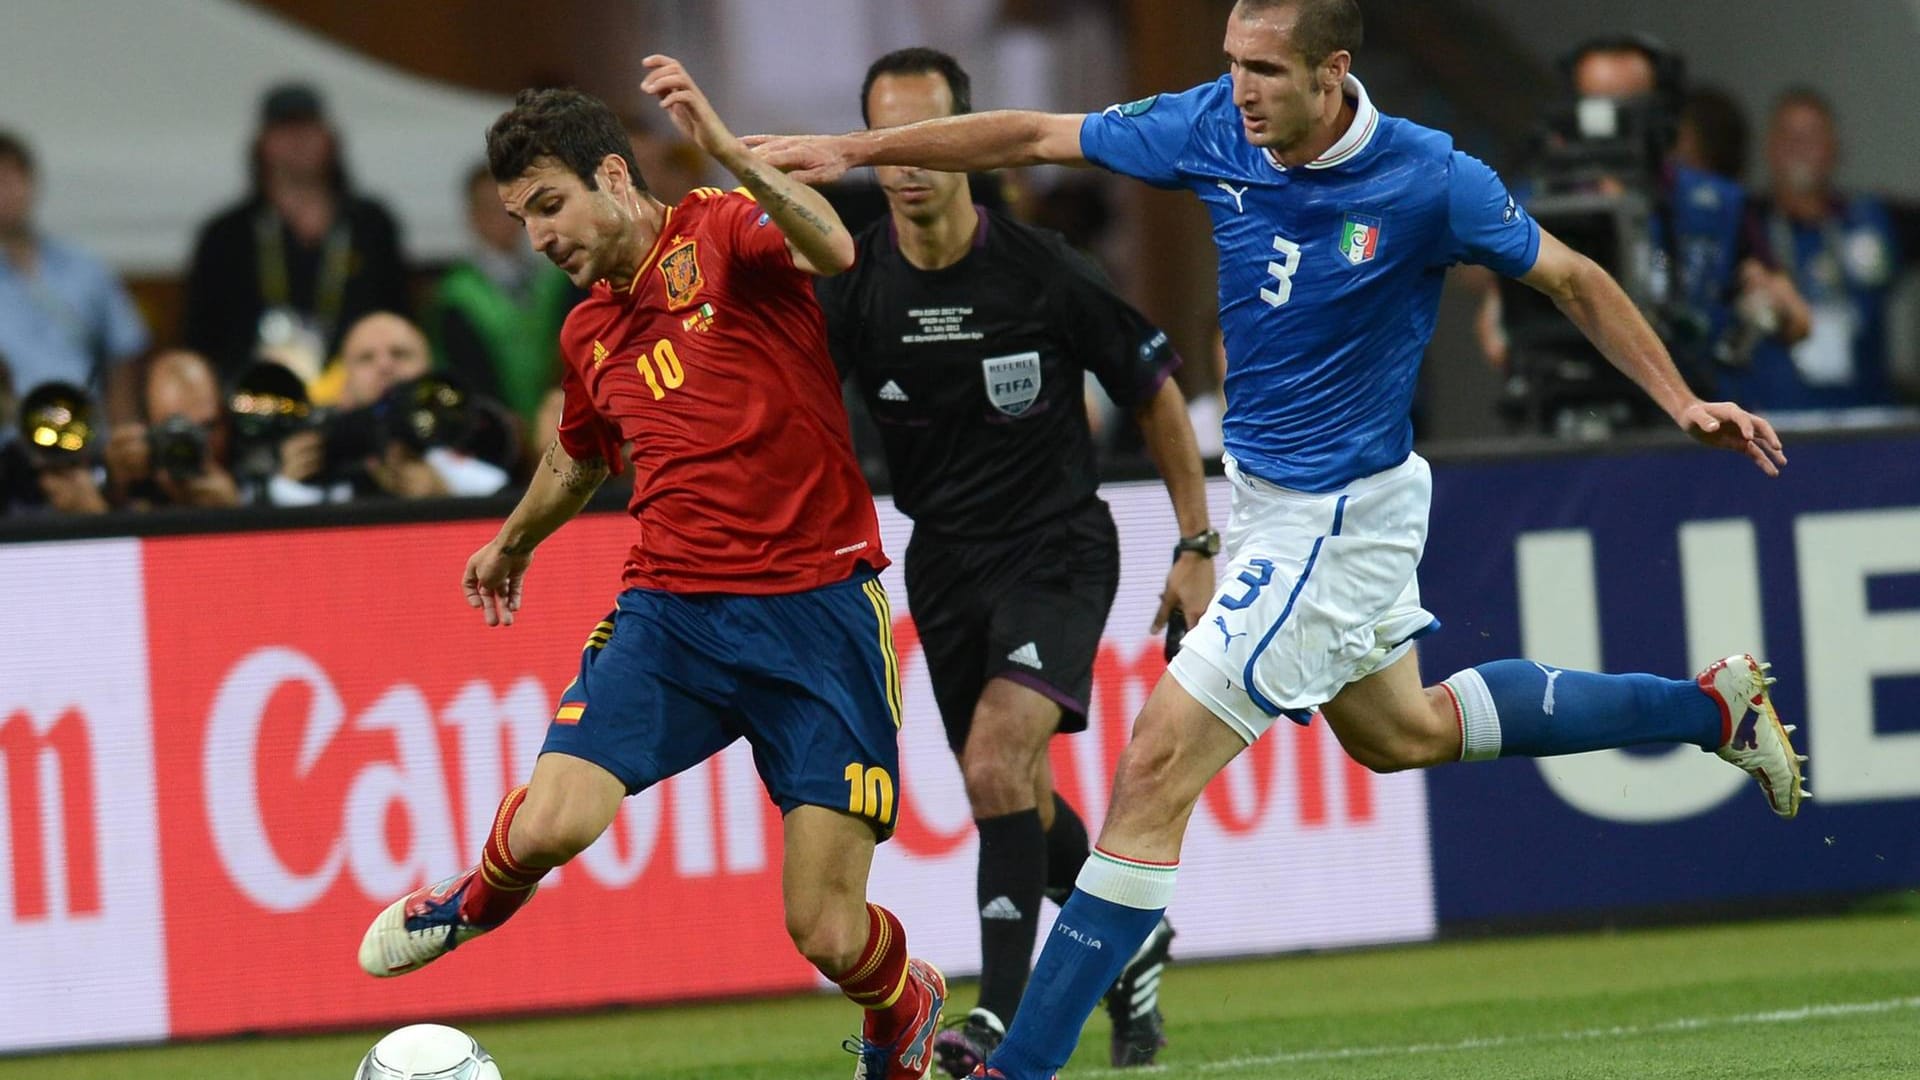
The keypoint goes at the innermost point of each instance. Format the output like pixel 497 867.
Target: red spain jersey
pixel 712 365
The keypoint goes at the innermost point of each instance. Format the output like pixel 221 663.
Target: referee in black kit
pixel 969 335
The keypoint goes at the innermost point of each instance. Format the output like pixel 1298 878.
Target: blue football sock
pixel 1518 708
pixel 1089 944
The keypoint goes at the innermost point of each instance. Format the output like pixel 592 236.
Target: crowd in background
pixel 315 364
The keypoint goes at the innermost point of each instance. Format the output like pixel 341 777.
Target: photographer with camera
pixel 52 466
pixel 394 428
pixel 178 456
pixel 1683 242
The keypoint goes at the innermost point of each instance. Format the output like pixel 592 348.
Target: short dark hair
pixel 920 60
pixel 576 129
pixel 15 149
pixel 1320 27
pixel 1802 95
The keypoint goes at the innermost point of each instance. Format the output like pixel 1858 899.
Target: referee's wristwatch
pixel 1205 543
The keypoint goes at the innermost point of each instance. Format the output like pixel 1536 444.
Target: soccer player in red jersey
pixel 753 605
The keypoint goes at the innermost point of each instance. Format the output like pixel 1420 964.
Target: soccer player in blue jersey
pixel 1335 226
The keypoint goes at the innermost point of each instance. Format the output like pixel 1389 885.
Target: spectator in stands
pixel 356 453
pixel 1714 134
pixel 1844 252
pixel 300 258
pixel 177 455
pixel 64 314
pixel 495 316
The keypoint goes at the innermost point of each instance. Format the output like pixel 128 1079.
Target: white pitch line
pixel 1627 1031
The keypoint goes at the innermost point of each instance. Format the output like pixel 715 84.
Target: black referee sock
pixel 1013 875
pixel 1067 849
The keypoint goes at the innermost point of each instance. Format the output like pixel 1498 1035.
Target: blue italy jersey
pixel 1330 273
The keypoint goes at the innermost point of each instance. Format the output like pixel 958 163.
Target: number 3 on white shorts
pixel 1282 272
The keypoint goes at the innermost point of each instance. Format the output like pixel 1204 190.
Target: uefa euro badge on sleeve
pixel 1013 382
pixel 1359 238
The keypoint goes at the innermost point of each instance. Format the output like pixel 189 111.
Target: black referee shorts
pixel 1029 608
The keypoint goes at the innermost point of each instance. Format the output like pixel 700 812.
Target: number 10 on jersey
pixel 1282 272
pixel 662 371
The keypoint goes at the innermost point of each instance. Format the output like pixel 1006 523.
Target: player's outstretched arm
pixel 560 489
pixel 1602 310
pixel 990 140
pixel 816 238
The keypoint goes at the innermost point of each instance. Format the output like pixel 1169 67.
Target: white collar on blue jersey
pixel 1366 121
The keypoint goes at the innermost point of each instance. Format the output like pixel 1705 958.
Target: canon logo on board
pixel 441 782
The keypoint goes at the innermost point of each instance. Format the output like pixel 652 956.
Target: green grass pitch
pixel 1806 999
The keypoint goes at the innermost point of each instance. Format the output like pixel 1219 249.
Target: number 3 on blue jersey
pixel 1282 272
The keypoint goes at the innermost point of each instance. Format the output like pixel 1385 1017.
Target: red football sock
pixel 501 883
pixel 878 981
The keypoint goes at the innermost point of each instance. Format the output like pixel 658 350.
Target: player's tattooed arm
pixel 561 488
pixel 817 239
pixel 578 477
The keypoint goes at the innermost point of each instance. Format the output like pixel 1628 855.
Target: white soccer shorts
pixel 1320 591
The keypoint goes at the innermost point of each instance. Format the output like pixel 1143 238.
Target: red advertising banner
pixel 341 727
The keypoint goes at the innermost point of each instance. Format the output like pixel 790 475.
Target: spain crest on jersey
pixel 680 271
pixel 1359 238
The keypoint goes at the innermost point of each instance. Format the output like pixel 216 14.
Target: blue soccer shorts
pixel 809 679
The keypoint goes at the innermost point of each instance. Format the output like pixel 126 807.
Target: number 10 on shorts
pixel 869 792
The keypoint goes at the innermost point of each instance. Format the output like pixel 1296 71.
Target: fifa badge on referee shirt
pixel 1013 382
pixel 1359 238
pixel 680 270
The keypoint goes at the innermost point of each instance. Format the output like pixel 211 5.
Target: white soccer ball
pixel 427 1052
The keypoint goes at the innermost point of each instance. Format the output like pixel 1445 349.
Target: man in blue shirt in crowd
pixel 1335 226
pixel 64 315
pixel 1845 254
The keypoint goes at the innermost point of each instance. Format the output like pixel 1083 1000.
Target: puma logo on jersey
pixel 891 391
pixel 1221 622
pixel 1237 195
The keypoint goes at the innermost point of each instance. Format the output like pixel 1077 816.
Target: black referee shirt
pixel 974 373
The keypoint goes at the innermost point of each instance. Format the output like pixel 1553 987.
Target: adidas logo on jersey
pixel 1001 908
pixel 1028 654
pixel 892 392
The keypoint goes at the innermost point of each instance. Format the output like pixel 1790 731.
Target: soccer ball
pixel 427 1052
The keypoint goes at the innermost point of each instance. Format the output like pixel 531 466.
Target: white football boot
pixel 1751 735
pixel 419 928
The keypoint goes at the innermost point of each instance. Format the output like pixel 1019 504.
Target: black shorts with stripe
pixel 1029 608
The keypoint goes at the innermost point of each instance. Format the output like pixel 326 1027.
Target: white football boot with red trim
pixel 1751 734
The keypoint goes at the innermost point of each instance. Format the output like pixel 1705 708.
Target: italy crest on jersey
pixel 1013 382
pixel 680 270
pixel 1359 238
